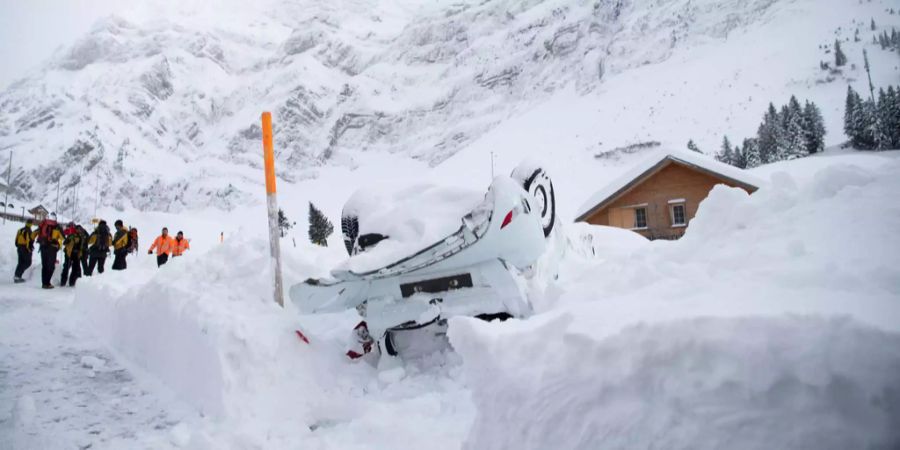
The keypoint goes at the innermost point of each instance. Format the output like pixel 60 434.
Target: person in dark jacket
pixel 120 246
pixel 99 244
pixel 50 246
pixel 85 248
pixel 72 246
pixel 25 248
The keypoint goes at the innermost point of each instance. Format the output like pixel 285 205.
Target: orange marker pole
pixel 272 206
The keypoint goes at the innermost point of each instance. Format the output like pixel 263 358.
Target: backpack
pixel 133 238
pixel 101 239
pixel 45 231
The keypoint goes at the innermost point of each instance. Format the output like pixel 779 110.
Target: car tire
pixel 350 230
pixel 539 185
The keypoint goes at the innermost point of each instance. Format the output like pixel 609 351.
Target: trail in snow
pixel 61 388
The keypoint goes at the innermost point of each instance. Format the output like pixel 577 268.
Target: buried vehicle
pixel 409 271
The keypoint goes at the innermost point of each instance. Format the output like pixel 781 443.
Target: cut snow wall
pixel 788 382
pixel 208 329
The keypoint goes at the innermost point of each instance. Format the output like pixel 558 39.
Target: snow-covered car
pixel 426 253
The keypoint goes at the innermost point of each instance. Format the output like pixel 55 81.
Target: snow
pixel 683 156
pixel 775 315
pixel 768 325
pixel 412 217
pixel 753 382
pixel 758 328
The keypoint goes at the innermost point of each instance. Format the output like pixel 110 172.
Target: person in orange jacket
pixel 164 246
pixel 180 245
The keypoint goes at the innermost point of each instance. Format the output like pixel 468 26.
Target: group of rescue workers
pixel 85 252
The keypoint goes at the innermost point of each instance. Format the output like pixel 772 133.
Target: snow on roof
pixel 691 158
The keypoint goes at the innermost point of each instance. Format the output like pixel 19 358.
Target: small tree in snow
pixel 284 224
pixel 726 154
pixel 319 226
pixel 692 146
pixel 839 57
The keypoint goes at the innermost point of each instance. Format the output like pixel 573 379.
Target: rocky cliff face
pixel 164 115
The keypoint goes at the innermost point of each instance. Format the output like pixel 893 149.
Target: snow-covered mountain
pixel 163 115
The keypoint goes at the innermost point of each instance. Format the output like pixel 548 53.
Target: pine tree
pixel 725 154
pixel 839 58
pixel 873 24
pixel 893 116
pixel 814 128
pixel 319 226
pixel 783 136
pixel 751 153
pixel 284 224
pixel 851 109
pixel 767 136
pixel 740 158
pixel 882 132
pixel 692 146
pixel 792 144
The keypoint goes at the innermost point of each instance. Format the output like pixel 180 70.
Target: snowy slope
pixel 163 114
pixel 765 326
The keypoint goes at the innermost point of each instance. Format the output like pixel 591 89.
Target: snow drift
pixel 209 330
pixel 766 326
pixel 788 382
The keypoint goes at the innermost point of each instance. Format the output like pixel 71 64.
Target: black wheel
pixel 350 230
pixel 539 185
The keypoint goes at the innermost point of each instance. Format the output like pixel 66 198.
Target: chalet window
pixel 678 215
pixel 640 217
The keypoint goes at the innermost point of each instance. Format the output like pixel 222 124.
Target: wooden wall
pixel 674 181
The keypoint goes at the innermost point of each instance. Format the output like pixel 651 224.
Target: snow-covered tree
pixel 726 154
pixel 750 153
pixel 740 157
pixel 859 120
pixel 319 226
pixel 284 224
pixel 851 107
pixel 839 57
pixel 891 115
pixel 692 146
pixel 872 26
pixel 813 128
pixel 767 136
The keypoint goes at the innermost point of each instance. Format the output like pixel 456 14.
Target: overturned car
pixel 405 289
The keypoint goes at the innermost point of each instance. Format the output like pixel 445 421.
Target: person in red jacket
pixel 163 246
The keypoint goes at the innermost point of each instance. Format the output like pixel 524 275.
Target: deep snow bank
pixel 790 382
pixel 208 329
pixel 772 324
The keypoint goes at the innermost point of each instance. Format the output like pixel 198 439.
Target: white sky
pixel 30 30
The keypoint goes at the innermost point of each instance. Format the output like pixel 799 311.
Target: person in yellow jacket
pixel 121 243
pixel 99 243
pixel 164 244
pixel 180 245
pixel 50 236
pixel 72 248
pixel 25 248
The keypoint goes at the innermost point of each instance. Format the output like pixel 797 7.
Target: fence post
pixel 272 206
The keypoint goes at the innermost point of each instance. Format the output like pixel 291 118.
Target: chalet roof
pixel 38 209
pixel 654 163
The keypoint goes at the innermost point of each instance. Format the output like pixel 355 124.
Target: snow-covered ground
pixel 774 323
